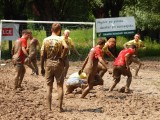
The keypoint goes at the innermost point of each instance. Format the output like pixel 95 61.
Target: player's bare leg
pixel 49 96
pixel 128 82
pixel 23 70
pixel 138 68
pixel 60 95
pixel 16 79
pixel 114 84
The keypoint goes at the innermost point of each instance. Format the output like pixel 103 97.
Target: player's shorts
pixel 120 70
pixel 54 68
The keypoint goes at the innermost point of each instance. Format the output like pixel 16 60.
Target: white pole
pixel 94 34
pixel 63 22
pixel 0 37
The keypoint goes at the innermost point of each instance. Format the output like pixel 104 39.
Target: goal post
pixel 38 23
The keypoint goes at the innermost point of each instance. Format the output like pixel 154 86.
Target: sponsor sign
pixel 10 31
pixel 115 26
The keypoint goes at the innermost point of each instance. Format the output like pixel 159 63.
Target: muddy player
pixel 90 65
pixel 121 67
pixel 32 61
pixel 139 44
pixel 108 45
pixel 53 51
pixel 76 80
pixel 79 80
pixel 71 46
pixel 19 54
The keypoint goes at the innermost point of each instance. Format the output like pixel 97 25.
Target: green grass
pixel 82 39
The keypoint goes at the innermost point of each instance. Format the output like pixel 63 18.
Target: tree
pixel 106 8
pixel 146 13
pixel 13 10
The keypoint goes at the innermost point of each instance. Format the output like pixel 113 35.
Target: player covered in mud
pixel 121 67
pixel 53 51
pixel 32 61
pixel 71 46
pixel 139 44
pixel 90 65
pixel 19 53
pixel 77 82
pixel 108 45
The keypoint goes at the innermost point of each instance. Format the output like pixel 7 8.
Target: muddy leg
pixel 114 84
pixel 60 95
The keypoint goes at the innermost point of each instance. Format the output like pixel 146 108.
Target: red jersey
pixel 120 60
pixel 24 44
pixel 97 52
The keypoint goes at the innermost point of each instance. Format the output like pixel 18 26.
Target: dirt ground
pixel 143 103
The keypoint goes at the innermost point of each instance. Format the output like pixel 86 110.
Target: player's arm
pixel 84 64
pixel 106 51
pixel 102 61
pixel 75 50
pixel 65 49
pixel 127 57
pixel 110 55
pixel 42 59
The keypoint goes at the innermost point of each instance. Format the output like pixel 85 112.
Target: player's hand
pixel 80 71
pixel 43 72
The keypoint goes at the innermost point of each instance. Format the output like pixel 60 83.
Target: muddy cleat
pixel 126 90
pixel 61 110
pixel 122 89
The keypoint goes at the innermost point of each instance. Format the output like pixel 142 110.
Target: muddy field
pixel 143 103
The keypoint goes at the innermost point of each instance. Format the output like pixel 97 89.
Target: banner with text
pixel 10 31
pixel 115 26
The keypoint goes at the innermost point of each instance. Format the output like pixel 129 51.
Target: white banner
pixel 115 24
pixel 10 31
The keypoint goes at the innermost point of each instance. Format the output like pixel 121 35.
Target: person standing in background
pixel 71 46
pixel 19 53
pixel 90 65
pixel 53 51
pixel 121 67
pixel 105 50
pixel 139 44
pixel 32 61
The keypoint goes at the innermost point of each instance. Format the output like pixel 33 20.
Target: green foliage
pixel 82 39
pixel 146 13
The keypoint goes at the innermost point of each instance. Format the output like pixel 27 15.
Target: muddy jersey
pixel 69 42
pixel 52 48
pixel 105 50
pixel 32 47
pixel 93 60
pixel 120 60
pixel 133 42
pixel 24 44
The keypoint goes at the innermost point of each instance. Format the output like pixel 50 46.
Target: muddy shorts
pixel 120 70
pixel 54 69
